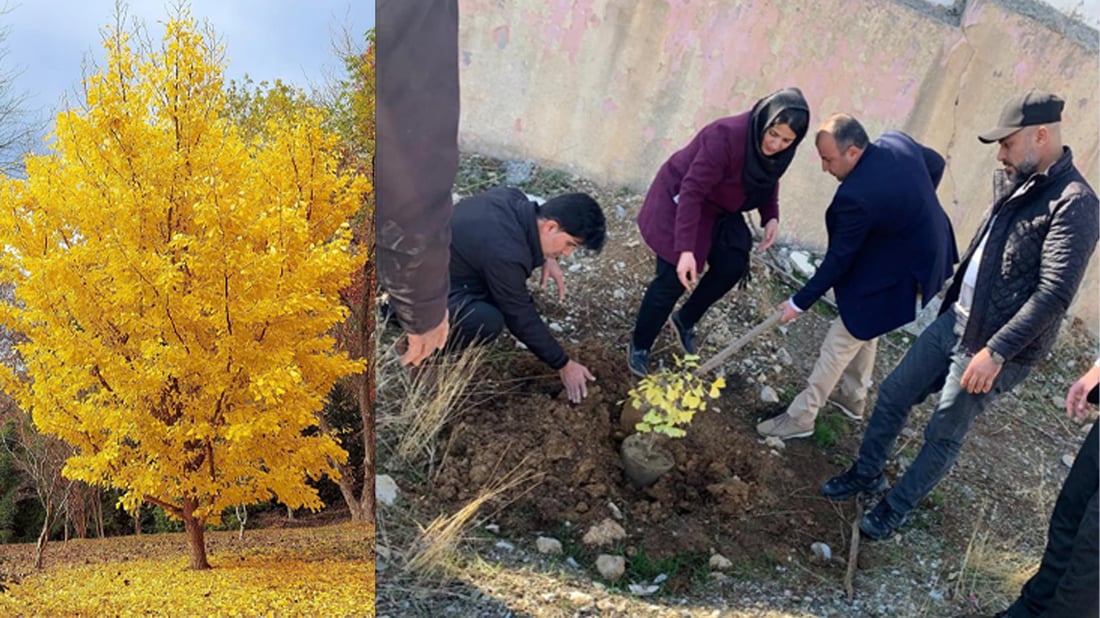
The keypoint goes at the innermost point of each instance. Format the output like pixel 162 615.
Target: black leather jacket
pixel 1039 246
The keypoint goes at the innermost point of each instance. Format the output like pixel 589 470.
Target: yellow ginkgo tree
pixel 176 281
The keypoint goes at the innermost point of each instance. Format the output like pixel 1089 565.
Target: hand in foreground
pixel 575 377
pixel 1075 398
pixel 789 312
pixel 551 270
pixel 980 373
pixel 420 347
pixel 771 230
pixel 686 271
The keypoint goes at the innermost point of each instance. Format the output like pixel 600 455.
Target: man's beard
pixel 1025 169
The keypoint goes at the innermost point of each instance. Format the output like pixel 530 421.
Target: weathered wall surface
pixel 609 88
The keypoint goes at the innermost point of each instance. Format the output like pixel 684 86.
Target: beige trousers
pixel 844 360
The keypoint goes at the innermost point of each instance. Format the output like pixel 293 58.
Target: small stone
pixel 1059 402
pixel 385 489
pixel 495 529
pixel 774 442
pixel 908 432
pixel 547 545
pixel 783 356
pixel 611 568
pixel 903 463
pixel 574 267
pixel 615 511
pixel 802 263
pixel 660 579
pixel 768 394
pixel 719 577
pixel 572 562
pixel 822 551
pixel 620 212
pixel 557 328
pixel 604 533
pixel 718 562
pixel 642 591
pixel 505 545
pixel 1067 459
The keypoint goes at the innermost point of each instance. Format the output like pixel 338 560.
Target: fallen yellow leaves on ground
pixel 318 571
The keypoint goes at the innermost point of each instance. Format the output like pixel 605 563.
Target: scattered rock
pixel 718 562
pixel 802 263
pixel 909 432
pixel 822 551
pixel 610 567
pixel 719 577
pixel 1067 459
pixel 768 395
pixel 783 356
pixel 604 533
pixel 615 511
pixel 385 489
pixel 505 545
pixel 1059 402
pixel 547 545
pixel 661 578
pixel 903 464
pixel 620 212
pixel 641 590
pixel 495 529
pixel 774 442
pixel 557 328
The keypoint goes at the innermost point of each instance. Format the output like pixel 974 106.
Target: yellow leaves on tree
pixel 176 281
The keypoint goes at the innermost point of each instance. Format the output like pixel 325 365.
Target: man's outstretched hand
pixel 576 377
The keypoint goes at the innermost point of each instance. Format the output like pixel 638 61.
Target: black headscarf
pixel 761 172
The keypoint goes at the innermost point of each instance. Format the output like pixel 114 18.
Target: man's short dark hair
pixel 846 131
pixel 578 215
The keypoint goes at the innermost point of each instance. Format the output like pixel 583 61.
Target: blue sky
pixel 48 40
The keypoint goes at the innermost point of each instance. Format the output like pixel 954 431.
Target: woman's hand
pixel 685 270
pixel 771 230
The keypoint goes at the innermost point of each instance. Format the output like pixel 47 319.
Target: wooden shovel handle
pixel 739 343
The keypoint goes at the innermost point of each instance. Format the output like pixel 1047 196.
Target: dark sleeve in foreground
pixel 507 282
pixel 935 164
pixel 416 155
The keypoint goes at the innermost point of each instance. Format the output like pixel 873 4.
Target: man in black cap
pixel 1000 315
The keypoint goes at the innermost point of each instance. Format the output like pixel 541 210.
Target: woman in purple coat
pixel 693 213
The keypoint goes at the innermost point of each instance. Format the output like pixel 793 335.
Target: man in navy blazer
pixel 890 246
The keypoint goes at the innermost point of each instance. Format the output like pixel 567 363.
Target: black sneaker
pixel 848 484
pixel 881 522
pixel 686 336
pixel 637 360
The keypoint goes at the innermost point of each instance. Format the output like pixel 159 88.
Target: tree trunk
pixel 97 509
pixel 348 493
pixel 367 393
pixel 289 514
pixel 43 536
pixel 195 541
pixel 137 521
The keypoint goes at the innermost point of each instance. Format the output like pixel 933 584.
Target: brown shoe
pixel 785 427
pixel 851 408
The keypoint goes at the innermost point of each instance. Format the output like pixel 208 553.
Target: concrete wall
pixel 609 88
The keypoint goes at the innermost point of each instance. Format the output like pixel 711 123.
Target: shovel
pixel 738 344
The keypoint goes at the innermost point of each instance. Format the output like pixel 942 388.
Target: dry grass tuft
pixel 433 556
pixel 986 570
pixel 432 395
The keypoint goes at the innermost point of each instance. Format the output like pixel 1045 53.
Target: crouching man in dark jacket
pixel 497 239
pixel 1000 315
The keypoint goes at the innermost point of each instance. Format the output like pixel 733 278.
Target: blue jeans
pixel 933 361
